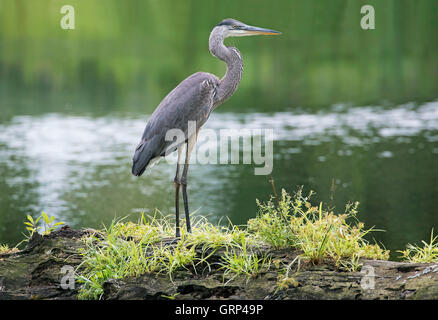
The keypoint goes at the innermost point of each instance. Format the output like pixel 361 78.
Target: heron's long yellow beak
pixel 250 30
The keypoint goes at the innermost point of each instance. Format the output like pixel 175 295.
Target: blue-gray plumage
pixel 193 100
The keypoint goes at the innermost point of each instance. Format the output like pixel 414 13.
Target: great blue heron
pixel 193 100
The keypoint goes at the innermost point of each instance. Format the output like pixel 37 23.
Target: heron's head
pixel 235 28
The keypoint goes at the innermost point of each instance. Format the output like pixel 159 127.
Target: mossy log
pixel 35 273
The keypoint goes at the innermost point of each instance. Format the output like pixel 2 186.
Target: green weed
pixel 317 233
pixel 426 254
pixel 33 225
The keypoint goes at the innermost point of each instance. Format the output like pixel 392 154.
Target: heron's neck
pixel 231 56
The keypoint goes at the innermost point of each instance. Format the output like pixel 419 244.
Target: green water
pixel 346 104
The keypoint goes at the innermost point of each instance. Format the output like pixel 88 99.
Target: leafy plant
pixel 33 225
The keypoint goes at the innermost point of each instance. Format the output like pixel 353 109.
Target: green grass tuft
pixel 426 254
pixel 131 249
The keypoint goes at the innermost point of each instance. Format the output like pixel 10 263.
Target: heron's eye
pixel 235 27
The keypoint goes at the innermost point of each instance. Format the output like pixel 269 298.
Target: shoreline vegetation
pixel 289 240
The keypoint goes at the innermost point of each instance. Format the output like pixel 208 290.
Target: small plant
pixel 33 226
pixel 319 234
pixel 426 254
pixel 4 248
pixel 284 281
pixel 209 236
pixel 241 261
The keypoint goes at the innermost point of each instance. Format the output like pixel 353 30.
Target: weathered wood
pixel 35 273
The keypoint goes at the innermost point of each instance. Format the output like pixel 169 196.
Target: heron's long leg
pixel 189 147
pixel 177 183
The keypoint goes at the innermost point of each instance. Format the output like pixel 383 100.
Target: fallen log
pixel 39 272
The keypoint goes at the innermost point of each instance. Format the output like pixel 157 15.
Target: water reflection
pixel 78 168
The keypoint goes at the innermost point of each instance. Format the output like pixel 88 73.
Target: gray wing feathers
pixel 191 100
pixel 144 153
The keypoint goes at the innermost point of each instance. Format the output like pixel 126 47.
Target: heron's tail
pixel 141 159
